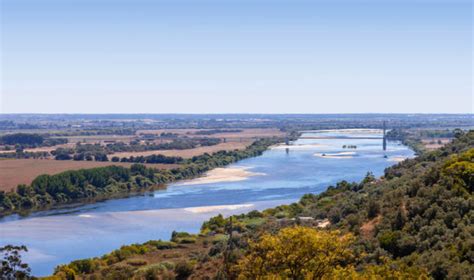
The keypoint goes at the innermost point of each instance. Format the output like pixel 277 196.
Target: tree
pixel 12 267
pixel 183 270
pixel 400 219
pixel 374 209
pixel 296 253
pixel 369 178
pixel 115 159
pixel 101 157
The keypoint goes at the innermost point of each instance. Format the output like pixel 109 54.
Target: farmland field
pixel 435 143
pixel 188 153
pixel 23 171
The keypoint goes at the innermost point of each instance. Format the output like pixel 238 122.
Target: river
pixel 280 176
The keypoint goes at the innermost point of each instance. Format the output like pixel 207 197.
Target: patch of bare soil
pixel 434 143
pixel 367 229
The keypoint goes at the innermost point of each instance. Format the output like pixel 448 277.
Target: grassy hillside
pixel 416 222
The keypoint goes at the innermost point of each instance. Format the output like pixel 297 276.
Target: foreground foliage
pixel 12 267
pixel 296 253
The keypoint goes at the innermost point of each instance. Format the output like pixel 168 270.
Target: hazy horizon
pixel 236 57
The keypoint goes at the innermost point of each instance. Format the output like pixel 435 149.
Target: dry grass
pixel 23 171
pixel 190 152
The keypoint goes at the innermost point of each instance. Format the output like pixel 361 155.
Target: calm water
pixel 56 237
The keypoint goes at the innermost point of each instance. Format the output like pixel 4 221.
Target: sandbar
pixel 397 158
pixel 218 175
pixel 206 209
pixel 336 155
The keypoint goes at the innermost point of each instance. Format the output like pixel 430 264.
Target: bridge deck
pixel 340 137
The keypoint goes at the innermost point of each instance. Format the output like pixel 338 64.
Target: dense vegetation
pixel 150 159
pixel 413 223
pixel 26 140
pixel 21 139
pixel 216 131
pixel 105 182
pixel 19 154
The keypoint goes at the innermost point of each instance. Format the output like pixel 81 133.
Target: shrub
pixel 183 270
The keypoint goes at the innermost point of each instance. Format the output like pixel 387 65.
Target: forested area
pixel 415 222
pixel 20 154
pixel 150 159
pixel 216 131
pixel 26 140
pixel 105 182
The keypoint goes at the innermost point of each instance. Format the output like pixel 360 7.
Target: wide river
pixel 281 175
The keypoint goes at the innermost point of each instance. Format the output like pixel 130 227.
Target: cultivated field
pixel 23 171
pixel 435 143
pixel 228 146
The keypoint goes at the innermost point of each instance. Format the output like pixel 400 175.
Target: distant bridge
pixel 383 137
pixel 342 137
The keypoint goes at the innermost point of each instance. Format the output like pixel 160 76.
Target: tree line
pixel 29 140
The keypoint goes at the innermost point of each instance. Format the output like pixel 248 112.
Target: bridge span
pixel 342 137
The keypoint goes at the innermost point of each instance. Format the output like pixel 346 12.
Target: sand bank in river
pixel 336 155
pixel 397 158
pixel 206 209
pixel 217 175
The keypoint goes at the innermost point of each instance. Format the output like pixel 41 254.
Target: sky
pixel 231 56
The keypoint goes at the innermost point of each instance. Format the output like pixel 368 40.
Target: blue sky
pixel 229 56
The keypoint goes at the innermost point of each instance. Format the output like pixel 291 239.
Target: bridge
pixel 342 137
pixel 383 138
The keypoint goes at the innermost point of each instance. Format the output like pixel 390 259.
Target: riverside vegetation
pixel 415 222
pixel 104 182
